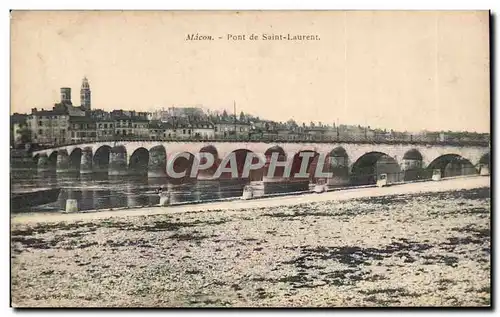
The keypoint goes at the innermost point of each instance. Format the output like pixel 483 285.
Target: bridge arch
pixel 273 149
pixel 337 163
pixel 138 163
pixel 412 154
pixel 268 154
pixel 75 158
pixel 209 172
pixel 312 162
pixel 412 165
pixel 210 149
pixel 339 157
pixel 452 165
pixel 366 169
pixel 100 161
pixel 52 159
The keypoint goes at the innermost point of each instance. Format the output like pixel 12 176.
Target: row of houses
pixel 65 124
pixel 61 126
pixel 57 126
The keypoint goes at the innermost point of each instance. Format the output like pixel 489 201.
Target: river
pixel 100 191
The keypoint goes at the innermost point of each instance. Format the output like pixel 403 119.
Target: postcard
pixel 250 159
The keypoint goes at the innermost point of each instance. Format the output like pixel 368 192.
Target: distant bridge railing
pixel 278 138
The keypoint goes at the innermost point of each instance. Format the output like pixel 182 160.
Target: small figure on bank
pixel 159 191
pixel 164 197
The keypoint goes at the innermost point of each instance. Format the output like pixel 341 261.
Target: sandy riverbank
pixel 427 244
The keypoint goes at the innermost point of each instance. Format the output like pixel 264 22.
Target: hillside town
pixel 67 123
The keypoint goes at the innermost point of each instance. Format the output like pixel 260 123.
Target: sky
pixel 406 71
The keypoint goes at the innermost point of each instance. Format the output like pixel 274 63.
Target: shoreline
pixel 237 204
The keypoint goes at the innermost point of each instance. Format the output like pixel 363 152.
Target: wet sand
pixel 427 244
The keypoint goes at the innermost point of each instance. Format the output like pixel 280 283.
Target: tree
pixel 224 114
pixel 242 116
pixel 291 124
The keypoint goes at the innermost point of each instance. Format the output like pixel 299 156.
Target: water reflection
pixel 100 191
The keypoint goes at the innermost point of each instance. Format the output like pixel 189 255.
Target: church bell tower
pixel 85 94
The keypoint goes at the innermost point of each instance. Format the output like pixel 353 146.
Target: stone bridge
pixel 407 161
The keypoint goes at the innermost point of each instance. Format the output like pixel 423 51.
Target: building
pixel 131 126
pixel 49 127
pixel 181 130
pixel 52 127
pixel 314 133
pixel 85 95
pixel 99 114
pixel 140 127
pixel 203 130
pixel 67 105
pixel 82 129
pixel 287 134
pixel 105 128
pixel 19 132
pixel 231 128
pixel 160 130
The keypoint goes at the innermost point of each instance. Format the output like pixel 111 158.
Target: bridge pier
pixel 62 165
pixel 274 185
pixel 86 161
pixel 388 165
pixel 340 171
pixel 43 163
pixel 412 170
pixel 117 163
pixel 484 170
pixel 157 162
pixel 277 182
pixel 338 180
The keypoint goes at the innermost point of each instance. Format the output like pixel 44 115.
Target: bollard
pixel 71 205
pixel 485 171
pixel 164 199
pixel 436 175
pixel 247 193
pixel 319 188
